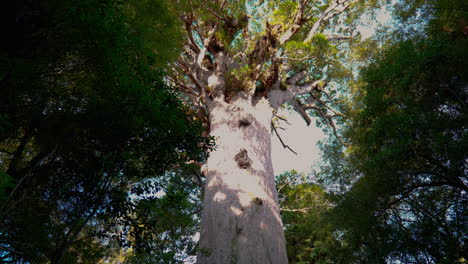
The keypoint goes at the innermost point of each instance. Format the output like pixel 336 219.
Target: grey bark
pixel 241 219
pixel 237 93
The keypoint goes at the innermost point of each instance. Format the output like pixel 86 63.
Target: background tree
pixel 84 116
pixel 305 209
pixel 406 164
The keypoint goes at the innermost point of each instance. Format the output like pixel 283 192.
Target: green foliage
pixel 320 57
pixel 154 24
pixel 282 14
pixel 162 227
pixel 304 210
pixel 229 31
pixel 85 114
pixel 238 80
pixel 406 164
pixel 6 183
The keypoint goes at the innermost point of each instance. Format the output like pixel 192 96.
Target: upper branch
pixel 206 43
pixel 188 28
pixel 278 97
pixel 296 89
pixel 299 20
pixel 333 10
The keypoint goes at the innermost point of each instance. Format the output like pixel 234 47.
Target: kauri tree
pixel 243 60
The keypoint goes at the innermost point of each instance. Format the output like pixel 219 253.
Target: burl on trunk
pixel 241 219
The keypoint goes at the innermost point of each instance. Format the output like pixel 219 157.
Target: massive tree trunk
pixel 237 73
pixel 241 220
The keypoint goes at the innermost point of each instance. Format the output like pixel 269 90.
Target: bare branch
pixel 336 37
pixel 328 120
pixel 298 59
pixel 197 211
pixel 189 71
pixel 180 86
pixel 338 113
pixel 222 3
pixel 343 6
pixel 310 106
pixel 299 210
pixel 302 110
pixel 306 88
pixel 282 119
pixel 281 140
pixel 296 78
pixel 217 15
pixel 198 184
pixel 284 185
pixel 278 97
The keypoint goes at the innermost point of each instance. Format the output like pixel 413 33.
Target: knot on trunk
pixel 245 121
pixel 242 159
pixel 258 201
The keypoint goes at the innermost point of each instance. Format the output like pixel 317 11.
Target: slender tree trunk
pixel 241 220
pixel 58 255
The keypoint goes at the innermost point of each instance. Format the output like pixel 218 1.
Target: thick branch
pixel 206 43
pixel 278 97
pixel 333 10
pixel 300 109
pixel 189 68
pixel 192 43
pixel 296 78
pixel 298 22
pixel 306 88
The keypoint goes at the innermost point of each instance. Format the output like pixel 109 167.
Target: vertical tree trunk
pixel 58 255
pixel 241 220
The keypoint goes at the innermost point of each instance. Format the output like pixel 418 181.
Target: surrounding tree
pixel 304 209
pixel 85 116
pixel 406 161
pixel 99 157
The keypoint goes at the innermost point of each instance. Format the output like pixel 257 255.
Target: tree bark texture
pixel 241 220
pixel 236 75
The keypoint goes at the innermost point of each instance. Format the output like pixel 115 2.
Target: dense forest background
pixel 97 151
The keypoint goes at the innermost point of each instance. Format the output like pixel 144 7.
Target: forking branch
pixel 210 56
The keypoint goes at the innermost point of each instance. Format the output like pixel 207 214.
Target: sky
pixel 301 138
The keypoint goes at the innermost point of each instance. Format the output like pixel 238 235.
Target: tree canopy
pixel 406 162
pixel 103 105
pixel 85 115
